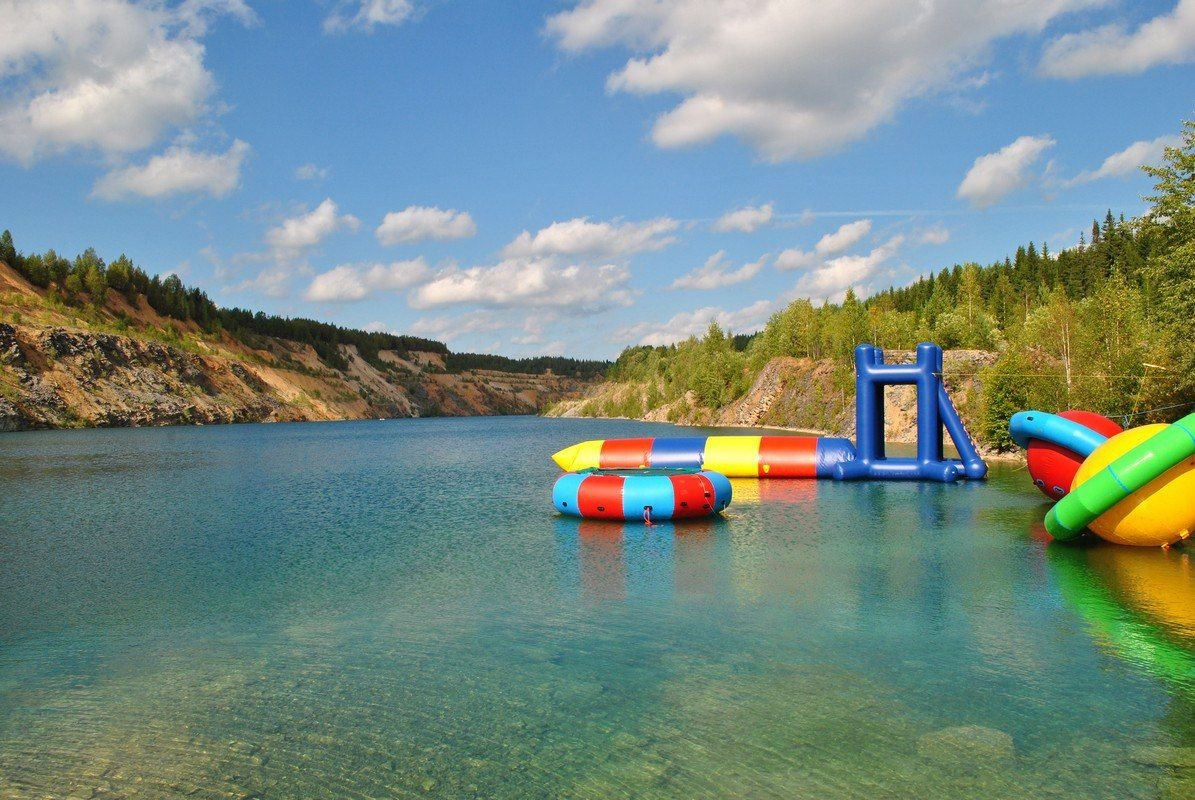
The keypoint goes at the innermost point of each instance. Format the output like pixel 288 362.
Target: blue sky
pixel 572 177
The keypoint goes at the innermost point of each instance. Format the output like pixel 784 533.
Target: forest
pixel 86 280
pixel 1104 325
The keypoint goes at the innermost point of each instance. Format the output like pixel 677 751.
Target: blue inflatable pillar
pixel 934 410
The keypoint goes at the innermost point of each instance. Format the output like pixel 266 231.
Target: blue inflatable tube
pixel 1026 425
pixel 641 494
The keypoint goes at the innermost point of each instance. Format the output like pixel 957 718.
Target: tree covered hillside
pixel 1104 326
pixel 83 283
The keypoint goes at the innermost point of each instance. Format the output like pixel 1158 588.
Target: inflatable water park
pixel 620 475
pixel 1130 487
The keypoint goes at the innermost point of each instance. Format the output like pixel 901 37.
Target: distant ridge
pixel 77 351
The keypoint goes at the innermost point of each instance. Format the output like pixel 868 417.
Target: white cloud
pixel 936 234
pixel 795 258
pixel 307 230
pixel 1128 161
pixel 844 238
pixel 416 223
pixel 177 171
pixel 102 74
pixel 717 273
pixel 581 238
pixel 365 15
pixel 745 220
pixel 794 78
pixel 993 176
pixel 310 172
pixel 834 277
pixel 1111 49
pixel 696 323
pixel 529 283
pixel 349 283
pixel 448 327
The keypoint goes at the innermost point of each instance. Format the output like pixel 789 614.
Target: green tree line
pixel 87 278
pixel 1103 326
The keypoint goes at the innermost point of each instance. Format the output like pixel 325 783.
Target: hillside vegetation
pixel 1104 326
pixel 98 356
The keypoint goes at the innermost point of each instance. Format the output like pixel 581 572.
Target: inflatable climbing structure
pixel 814 456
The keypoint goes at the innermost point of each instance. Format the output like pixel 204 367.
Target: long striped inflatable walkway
pixel 733 456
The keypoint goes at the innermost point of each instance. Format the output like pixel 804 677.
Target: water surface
pixel 392 609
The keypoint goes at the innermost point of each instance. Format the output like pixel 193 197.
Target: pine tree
pixel 8 251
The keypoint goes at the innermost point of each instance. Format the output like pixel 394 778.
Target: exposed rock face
pixel 58 377
pixel 798 393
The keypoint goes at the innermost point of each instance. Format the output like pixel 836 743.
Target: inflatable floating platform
pixel 1130 487
pixel 646 494
pixel 812 456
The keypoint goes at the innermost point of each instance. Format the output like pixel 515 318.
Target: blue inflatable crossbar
pixel 1026 425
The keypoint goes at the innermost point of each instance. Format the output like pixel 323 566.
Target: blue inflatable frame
pixel 934 412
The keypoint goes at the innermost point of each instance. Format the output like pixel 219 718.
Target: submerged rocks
pixel 1161 756
pixel 966 746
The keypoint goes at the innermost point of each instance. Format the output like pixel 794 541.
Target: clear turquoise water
pixel 392 609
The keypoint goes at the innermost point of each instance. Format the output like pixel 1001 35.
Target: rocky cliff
pixel 796 393
pixel 62 366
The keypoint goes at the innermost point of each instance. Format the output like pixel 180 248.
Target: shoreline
pixel 1009 458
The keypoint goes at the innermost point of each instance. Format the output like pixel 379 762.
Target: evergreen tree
pixel 8 251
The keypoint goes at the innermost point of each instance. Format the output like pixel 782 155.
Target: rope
pixel 1046 375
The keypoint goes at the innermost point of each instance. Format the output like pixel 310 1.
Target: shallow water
pixel 390 609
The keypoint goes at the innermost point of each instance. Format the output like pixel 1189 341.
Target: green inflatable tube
pixel 1122 477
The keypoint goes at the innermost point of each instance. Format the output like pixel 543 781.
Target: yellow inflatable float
pixel 1161 512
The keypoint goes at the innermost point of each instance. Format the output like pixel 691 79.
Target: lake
pixel 393 609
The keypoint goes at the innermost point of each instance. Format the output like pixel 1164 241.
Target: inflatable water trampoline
pixel 641 494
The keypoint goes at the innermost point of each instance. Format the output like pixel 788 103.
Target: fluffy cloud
pixel 101 74
pixel 1128 161
pixel 176 171
pixel 745 220
pixel 447 327
pixel 307 230
pixel 365 15
pixel 993 176
pixel 310 172
pixel 348 283
pixel 717 273
pixel 794 78
pixel 838 241
pixel 696 322
pixel 529 283
pixel 937 234
pixel 1166 39
pixel 416 223
pixel 581 238
pixel 833 278
pixel 846 237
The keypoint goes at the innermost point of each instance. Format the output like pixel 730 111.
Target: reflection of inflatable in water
pixel 811 456
pixel 1134 488
pixel 608 560
pixel 1137 602
pixel 748 491
pixel 641 494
